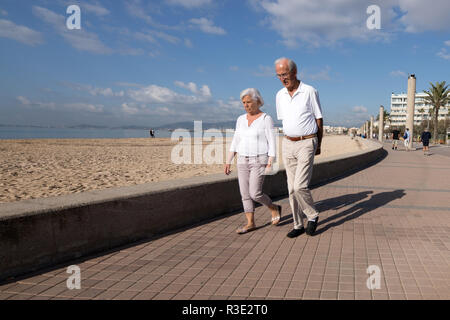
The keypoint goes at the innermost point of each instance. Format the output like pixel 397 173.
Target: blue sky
pixel 137 62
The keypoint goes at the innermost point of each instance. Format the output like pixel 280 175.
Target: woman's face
pixel 250 105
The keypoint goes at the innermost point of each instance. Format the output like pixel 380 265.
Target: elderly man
pixel 298 106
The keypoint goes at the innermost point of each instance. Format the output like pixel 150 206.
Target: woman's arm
pixel 233 149
pixel 271 140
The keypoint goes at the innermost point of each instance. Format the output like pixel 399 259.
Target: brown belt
pixel 301 138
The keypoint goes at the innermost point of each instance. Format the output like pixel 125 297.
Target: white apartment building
pixel 398 109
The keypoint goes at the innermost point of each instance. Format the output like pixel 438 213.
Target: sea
pixel 8 133
pixel 72 133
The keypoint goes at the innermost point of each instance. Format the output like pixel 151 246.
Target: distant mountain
pixel 87 126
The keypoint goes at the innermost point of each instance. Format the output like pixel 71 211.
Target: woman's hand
pixel 227 168
pixel 268 169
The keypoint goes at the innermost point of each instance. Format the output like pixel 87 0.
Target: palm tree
pixel 437 96
pixel 386 116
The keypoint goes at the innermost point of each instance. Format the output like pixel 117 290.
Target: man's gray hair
pixel 291 64
pixel 254 94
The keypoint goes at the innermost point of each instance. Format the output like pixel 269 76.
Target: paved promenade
pixel 394 215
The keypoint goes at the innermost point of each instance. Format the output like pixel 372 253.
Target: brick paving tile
pixel 90 293
pixel 294 293
pixel 241 292
pixel 121 285
pixel 20 296
pixel 311 294
pixel 380 296
pixel 126 295
pixel 363 295
pixel 163 296
pixel 260 292
pixel 346 295
pixel 36 289
pixel 328 295
pixel 144 295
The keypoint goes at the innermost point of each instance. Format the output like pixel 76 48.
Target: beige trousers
pixel 298 158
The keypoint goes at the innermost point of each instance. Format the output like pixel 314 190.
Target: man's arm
pixel 319 134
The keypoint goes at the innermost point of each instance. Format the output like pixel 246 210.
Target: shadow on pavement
pixel 332 203
pixel 376 201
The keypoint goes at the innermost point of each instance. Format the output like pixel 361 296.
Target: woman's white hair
pixel 291 64
pixel 254 94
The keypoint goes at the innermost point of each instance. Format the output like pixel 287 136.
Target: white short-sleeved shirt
pixel 256 139
pixel 299 112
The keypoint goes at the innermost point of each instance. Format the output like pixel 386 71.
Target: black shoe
pixel 311 227
pixel 295 232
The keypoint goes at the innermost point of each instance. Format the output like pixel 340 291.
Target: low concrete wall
pixel 42 232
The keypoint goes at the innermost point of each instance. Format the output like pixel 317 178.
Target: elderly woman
pixel 254 142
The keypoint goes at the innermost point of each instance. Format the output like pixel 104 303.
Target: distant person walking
pixel 152 133
pixel 395 138
pixel 254 142
pixel 425 138
pixel 298 106
pixel 407 138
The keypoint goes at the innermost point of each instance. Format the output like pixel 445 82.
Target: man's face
pixel 287 78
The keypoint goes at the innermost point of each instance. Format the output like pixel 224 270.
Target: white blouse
pixel 256 139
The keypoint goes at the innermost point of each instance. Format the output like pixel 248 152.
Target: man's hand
pixel 317 151
pixel 319 134
pixel 227 169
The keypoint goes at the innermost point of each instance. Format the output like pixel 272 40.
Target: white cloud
pixel 359 109
pixel 105 92
pixel 207 26
pixel 203 91
pixel 23 100
pixel 321 75
pixel 265 71
pixel 425 16
pixel 96 9
pixel 139 10
pixel 157 94
pixel 327 22
pixel 320 23
pixel 126 108
pixel 3 12
pixel 9 29
pixel 131 51
pixel 398 73
pixel 77 106
pixel 189 3
pixel 136 9
pixel 79 39
pixel 128 84
pixel 444 54
pixel 188 43
pixel 83 107
pixel 234 68
pixel 189 86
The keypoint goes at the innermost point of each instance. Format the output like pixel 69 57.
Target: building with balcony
pixel 399 104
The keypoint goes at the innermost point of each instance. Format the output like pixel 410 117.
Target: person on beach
pixel 425 138
pixel 254 142
pixel 407 138
pixel 395 138
pixel 298 106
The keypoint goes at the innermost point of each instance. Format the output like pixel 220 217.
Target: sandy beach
pixel 40 168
